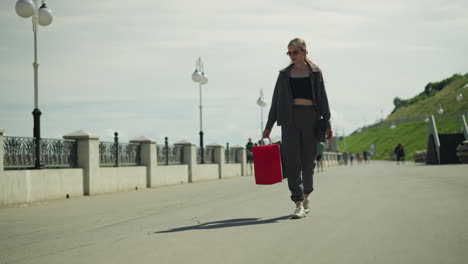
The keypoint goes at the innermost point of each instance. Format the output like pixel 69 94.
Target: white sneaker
pixel 299 213
pixel 306 205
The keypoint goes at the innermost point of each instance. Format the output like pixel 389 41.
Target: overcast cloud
pixel 126 66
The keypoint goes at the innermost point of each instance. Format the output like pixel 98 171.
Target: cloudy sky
pixel 127 65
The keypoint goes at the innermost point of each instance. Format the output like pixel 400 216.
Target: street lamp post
pixel 393 127
pixel 440 111
pixel 262 103
pixel 42 16
pixel 459 96
pixel 201 78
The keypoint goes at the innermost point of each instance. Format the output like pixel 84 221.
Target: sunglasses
pixel 294 52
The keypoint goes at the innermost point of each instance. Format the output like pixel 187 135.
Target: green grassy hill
pixel 408 116
pixel 428 105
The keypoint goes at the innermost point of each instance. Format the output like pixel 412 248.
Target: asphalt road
pixel 375 213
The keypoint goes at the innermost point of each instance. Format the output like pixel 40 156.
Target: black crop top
pixel 301 88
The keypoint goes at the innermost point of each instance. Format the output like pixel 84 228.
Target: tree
pixel 397 102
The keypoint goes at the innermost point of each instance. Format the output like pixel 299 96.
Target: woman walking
pixel 299 101
pixel 399 152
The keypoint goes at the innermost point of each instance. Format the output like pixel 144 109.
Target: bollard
pixel 116 146
pixel 167 150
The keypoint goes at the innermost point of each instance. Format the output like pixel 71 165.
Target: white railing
pixel 462 127
pixel 433 132
pixel 331 159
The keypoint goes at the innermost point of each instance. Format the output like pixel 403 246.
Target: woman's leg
pixel 308 157
pixel 305 120
pixel 290 151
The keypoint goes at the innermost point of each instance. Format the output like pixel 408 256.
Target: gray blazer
pixel 282 102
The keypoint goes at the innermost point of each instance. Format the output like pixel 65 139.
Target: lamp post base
pixel 37 138
pixel 201 148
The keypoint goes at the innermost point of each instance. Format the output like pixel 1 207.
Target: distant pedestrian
pixel 366 156
pixel 351 158
pixel 320 147
pixel 358 157
pixel 345 158
pixel 299 101
pixel 248 148
pixel 402 153
pixel 399 152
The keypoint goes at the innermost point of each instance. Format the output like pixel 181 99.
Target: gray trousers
pixel 299 150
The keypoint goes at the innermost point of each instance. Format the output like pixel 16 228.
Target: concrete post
pixel 88 157
pixel 326 161
pixel 219 158
pixel 1 168
pixel 189 157
pixel 1 151
pixel 149 157
pixel 241 156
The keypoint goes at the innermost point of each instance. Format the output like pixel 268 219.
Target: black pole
pixel 116 145
pixel 167 151
pixel 228 152
pixel 37 138
pixel 201 146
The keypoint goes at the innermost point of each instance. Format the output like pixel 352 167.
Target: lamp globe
pixel 196 76
pixel 25 8
pixel 204 79
pixel 45 15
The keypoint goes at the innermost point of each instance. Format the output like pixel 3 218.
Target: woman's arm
pixel 323 104
pixel 273 107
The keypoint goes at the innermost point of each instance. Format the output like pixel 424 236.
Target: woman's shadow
pixel 226 223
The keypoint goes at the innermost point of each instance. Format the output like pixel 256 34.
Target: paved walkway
pixel 377 213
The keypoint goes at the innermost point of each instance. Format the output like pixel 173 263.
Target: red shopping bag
pixel 267 164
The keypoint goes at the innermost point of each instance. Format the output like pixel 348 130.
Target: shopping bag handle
pixel 271 142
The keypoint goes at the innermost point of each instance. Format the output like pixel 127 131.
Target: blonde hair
pixel 300 43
